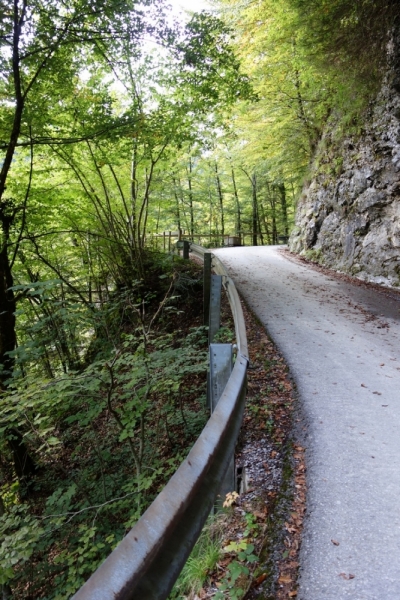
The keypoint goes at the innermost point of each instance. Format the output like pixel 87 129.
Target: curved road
pixel 342 343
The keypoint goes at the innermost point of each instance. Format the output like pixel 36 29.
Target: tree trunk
pixel 24 465
pixel 7 312
pixel 311 131
pixel 210 222
pixel 282 194
pixel 23 462
pixel 238 223
pixel 273 219
pixel 254 209
pixel 220 199
pixel 178 210
pixel 259 227
pixel 265 221
pixel 190 169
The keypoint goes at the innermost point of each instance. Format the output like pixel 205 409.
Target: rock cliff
pixel 348 217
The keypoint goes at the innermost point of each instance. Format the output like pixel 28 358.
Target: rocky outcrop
pixel 348 217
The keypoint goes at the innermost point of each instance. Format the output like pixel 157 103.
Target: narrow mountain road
pixel 341 341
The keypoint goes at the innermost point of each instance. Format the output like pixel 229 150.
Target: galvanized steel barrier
pixel 147 562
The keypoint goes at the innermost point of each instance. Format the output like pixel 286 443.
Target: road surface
pixel 342 344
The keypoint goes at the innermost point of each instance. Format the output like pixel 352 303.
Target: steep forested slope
pixel 92 117
pixel 326 121
pixel 348 216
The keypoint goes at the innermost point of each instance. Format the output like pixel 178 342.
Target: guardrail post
pixel 206 287
pixel 215 306
pixel 220 369
pixel 183 245
pixel 221 364
pixel 186 246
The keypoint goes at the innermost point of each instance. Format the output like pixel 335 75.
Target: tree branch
pixel 22 227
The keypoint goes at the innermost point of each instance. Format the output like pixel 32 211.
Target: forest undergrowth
pixel 106 436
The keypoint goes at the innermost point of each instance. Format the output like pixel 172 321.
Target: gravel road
pixel 341 341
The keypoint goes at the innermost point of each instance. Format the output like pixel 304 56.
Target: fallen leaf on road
pixel 362 385
pixel 335 542
pixel 285 579
pixel 345 576
pixel 260 579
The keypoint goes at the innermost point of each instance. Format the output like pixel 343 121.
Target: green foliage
pixel 233 585
pixel 99 434
pixel 224 335
pixel 207 553
pixel 348 43
pixel 19 532
pixel 211 71
pixel 252 527
pixel 308 62
pixel 313 255
pixel 201 562
pixel 339 30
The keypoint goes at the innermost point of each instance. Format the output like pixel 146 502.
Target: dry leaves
pixel 265 439
pixel 260 579
pixel 288 566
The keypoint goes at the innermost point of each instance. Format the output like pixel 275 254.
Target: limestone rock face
pixel 348 217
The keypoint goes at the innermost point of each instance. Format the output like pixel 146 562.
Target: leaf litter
pixel 273 483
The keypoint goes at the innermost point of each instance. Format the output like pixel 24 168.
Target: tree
pixel 83 174
pixel 59 61
pixel 43 50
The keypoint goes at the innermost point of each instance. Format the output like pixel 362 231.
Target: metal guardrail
pixel 233 296
pixel 213 240
pixel 147 562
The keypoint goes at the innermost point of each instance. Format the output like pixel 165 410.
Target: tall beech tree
pixel 44 46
